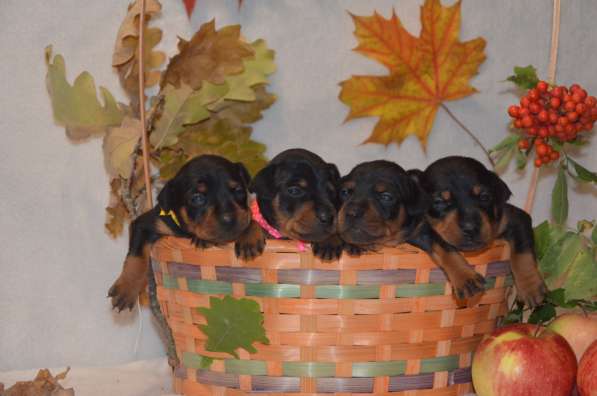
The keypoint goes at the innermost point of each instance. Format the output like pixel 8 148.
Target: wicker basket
pixel 382 324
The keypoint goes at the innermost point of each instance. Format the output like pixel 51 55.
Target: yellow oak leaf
pixel 119 144
pixel 424 72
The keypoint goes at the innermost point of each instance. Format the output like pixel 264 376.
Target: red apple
pixel 579 330
pixel 586 379
pixel 524 360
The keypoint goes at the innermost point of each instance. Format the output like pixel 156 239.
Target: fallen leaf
pixel 232 324
pixel 210 55
pixel 119 144
pixel 183 106
pixel 44 384
pixel 424 72
pixel 76 106
pixel 126 56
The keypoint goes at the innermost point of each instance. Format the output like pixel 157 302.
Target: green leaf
pixel 557 297
pixel 515 315
pixel 594 235
pixel 583 225
pixel 555 261
pixel 543 313
pixel 581 278
pixel 583 173
pixel 521 160
pixel 542 239
pixel 509 141
pixel 524 77
pixel 76 106
pixel 231 324
pixel 559 198
pixel 183 106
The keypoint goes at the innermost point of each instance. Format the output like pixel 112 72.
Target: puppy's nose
pixel 325 216
pixel 469 227
pixel 354 211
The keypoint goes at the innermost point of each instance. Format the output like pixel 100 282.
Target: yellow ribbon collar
pixel 170 214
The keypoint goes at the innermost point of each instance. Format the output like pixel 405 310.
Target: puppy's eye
pixel 345 193
pixel 484 196
pixel 386 197
pixel 238 190
pixel 295 191
pixel 198 199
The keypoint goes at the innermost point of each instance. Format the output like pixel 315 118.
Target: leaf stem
pixel 468 131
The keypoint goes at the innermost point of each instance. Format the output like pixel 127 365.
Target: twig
pixel 144 144
pixel 551 78
pixel 468 131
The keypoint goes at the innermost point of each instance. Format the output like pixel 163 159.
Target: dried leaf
pixel 210 55
pixel 183 106
pixel 76 106
pixel 44 384
pixel 126 57
pixel 118 146
pixel 116 212
pixel 424 72
pixel 241 113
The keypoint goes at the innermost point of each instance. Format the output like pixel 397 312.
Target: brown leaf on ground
pixel 44 384
pixel 210 55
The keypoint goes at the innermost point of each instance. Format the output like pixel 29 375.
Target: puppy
pixel 379 206
pixel 469 210
pixel 296 194
pixel 207 201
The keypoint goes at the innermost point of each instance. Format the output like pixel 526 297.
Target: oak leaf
pixel 116 211
pixel 423 71
pixel 210 55
pixel 119 144
pixel 76 106
pixel 44 384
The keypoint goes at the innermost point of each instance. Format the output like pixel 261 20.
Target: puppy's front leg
pixel 466 282
pixel 329 249
pixel 133 278
pixel 251 242
pixel 518 232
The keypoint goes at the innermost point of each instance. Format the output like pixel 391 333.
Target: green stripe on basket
pixel 490 282
pixel 272 290
pixel 209 287
pixel 420 289
pixel 245 367
pixel 191 360
pixel 509 281
pixel 308 369
pixel 169 282
pixel 443 363
pixel 346 292
pixel 376 369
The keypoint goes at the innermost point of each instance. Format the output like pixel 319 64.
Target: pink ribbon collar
pixel 258 217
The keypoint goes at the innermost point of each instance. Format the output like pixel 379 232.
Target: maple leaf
pixel 76 106
pixel 210 55
pixel 119 143
pixel 423 71
pixel 189 6
pixel 231 324
pixel 126 56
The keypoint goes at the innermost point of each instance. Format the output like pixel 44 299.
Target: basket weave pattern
pixel 381 324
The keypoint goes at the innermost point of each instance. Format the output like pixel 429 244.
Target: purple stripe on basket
pixel 308 277
pixel 219 379
pixel 261 383
pixel 384 277
pixel 410 382
pixel 348 385
pixel 460 376
pixel 240 275
pixel 436 275
pixel 177 270
pixel 498 268
pixel 180 372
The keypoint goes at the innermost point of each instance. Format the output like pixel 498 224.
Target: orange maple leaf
pixel 424 71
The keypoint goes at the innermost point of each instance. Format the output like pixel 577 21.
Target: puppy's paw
pixel 200 243
pixel 467 283
pixel 328 250
pixel 531 291
pixel 125 293
pixel 251 242
pixel 354 250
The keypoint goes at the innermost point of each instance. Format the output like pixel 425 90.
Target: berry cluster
pixel 557 113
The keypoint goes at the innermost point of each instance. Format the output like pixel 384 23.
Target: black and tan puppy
pixel 469 210
pixel 207 201
pixel 297 196
pixel 379 206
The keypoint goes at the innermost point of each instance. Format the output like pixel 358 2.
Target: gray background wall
pixel 56 262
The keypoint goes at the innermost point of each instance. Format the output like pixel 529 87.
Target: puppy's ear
pixel 167 198
pixel 263 184
pixel 501 190
pixel 333 172
pixel 243 173
pixel 417 201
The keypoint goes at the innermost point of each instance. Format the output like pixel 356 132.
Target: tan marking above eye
pixel 232 184
pixel 380 187
pixel 303 183
pixel 446 195
pixel 476 189
pixel 349 185
pixel 201 187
